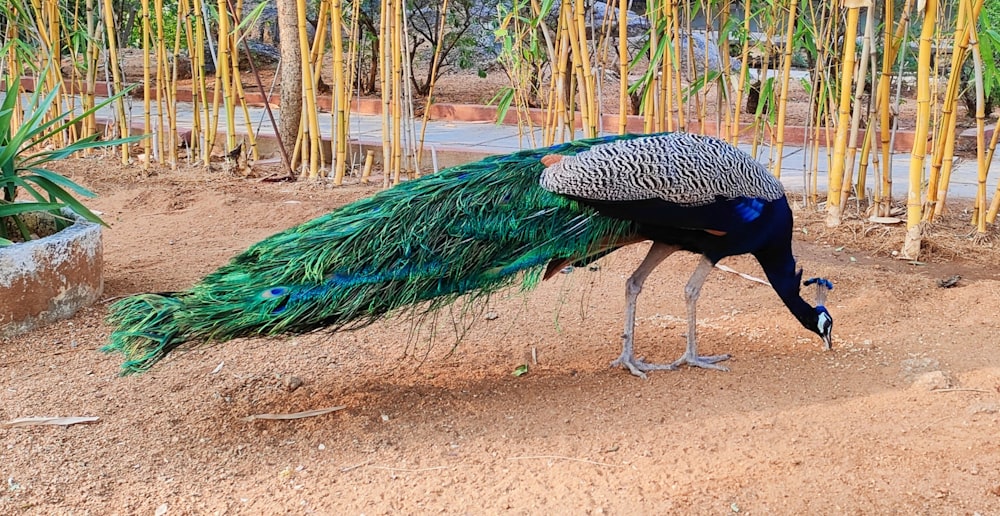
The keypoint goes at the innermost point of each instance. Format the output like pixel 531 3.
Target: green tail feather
pixel 469 230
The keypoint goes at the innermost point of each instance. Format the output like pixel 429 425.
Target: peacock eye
pixel 273 292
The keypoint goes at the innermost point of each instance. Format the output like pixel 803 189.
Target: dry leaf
pixel 54 421
pixel 296 415
pixel 885 220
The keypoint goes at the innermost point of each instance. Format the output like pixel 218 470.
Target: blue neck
pixel 779 266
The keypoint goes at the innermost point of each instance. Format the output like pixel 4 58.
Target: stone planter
pixel 50 278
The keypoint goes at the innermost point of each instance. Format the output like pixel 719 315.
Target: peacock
pixel 475 229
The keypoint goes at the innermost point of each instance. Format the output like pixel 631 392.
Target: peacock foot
pixel 638 367
pixel 704 362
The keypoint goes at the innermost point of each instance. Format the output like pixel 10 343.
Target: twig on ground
pixel 560 457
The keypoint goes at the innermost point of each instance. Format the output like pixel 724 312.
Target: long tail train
pixel 466 231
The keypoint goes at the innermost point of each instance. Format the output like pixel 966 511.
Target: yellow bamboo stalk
pixel 90 81
pixel 196 46
pixel 979 216
pixel 316 52
pixel 623 103
pixel 786 79
pixel 581 66
pixel 859 90
pixel 309 83
pixel 840 141
pixel 397 90
pixel 744 69
pixel 116 76
pixel 726 92
pixel 341 88
pixel 944 150
pixel 661 104
pixel 678 107
pixel 647 103
pixel 171 95
pixel 164 100
pixel 225 71
pixel 435 62
pixel 588 100
pixel 561 90
pixel 883 97
pixel 991 215
pixel 385 73
pixel 147 86
pixel 914 235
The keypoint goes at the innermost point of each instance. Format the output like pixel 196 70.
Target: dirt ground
pixel 901 417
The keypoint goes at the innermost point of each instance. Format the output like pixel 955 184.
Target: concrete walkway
pixel 449 143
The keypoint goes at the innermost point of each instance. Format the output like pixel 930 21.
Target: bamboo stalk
pixel 943 156
pixel 991 215
pixel 744 73
pixel 385 72
pixel 840 141
pixel 678 89
pixel 891 45
pixel 340 88
pixel 979 215
pixel 397 90
pixel 109 21
pixel 90 82
pixel 786 79
pixel 623 103
pixel 914 235
pixel 859 90
pixel 309 84
pixel 147 87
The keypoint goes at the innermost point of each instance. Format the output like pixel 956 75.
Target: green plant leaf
pixel 66 198
pixel 17 208
pixel 520 370
pixel 62 181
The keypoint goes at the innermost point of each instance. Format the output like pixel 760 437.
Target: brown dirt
pixel 429 427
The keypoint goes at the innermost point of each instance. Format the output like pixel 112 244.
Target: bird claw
pixel 704 362
pixel 638 367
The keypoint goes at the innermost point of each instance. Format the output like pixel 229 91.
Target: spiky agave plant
pixel 26 183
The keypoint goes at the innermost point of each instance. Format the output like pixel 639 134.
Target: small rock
pixel 950 281
pixel 913 367
pixel 161 510
pixel 293 382
pixel 983 408
pixel 932 380
pixel 491 315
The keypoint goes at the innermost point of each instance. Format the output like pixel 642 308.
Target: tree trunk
pixel 290 112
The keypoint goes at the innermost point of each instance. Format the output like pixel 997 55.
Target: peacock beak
pixel 827 341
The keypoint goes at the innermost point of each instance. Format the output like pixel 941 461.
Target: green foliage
pixel 23 169
pixel 989 46
pixel 524 55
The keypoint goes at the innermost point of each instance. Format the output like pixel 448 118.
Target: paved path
pixel 452 142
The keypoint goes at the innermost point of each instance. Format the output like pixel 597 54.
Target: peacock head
pixel 823 322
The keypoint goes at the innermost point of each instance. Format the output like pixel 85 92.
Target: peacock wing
pixel 678 168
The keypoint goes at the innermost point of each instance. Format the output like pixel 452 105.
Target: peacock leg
pixel 657 253
pixel 691 293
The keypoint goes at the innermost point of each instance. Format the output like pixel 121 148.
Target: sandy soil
pixel 901 417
